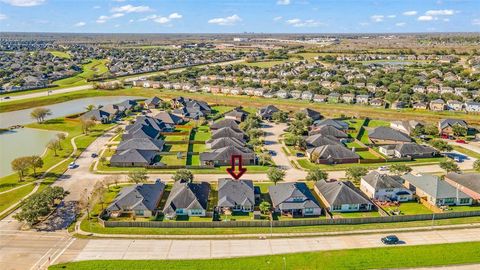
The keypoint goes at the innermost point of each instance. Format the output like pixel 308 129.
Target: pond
pixel 27 141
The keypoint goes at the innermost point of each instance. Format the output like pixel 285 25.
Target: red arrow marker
pixel 236 174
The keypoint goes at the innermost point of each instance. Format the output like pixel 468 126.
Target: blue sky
pixel 236 16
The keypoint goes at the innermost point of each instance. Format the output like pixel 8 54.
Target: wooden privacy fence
pixel 285 223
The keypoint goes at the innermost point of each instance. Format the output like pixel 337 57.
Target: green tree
pixel 441 145
pixel 54 145
pixel 276 174
pixel 449 166
pixel 400 168
pixel 476 165
pixel 35 162
pixel 39 114
pixel 431 130
pixel 90 107
pixel 138 176
pixel 264 207
pixel 459 130
pixel 20 165
pixel 316 174
pixel 183 175
pixel 356 173
pixel 280 117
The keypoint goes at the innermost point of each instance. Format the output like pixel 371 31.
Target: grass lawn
pixel 199 148
pixel 193 160
pixel 175 138
pixel 409 208
pixel 463 208
pixel 353 144
pixel 177 147
pixel 94 69
pixel 356 214
pixel 266 64
pixel 10 198
pixel 364 136
pixel 378 123
pixel 202 135
pixel 466 151
pixel 369 258
pixel 60 54
pixel 171 160
pixel 366 155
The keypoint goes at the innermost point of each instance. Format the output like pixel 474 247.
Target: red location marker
pixel 236 170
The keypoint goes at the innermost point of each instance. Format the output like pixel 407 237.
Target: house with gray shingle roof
pixel 236 195
pixel 294 199
pixel 225 123
pixel 237 114
pixel 338 124
pixel 387 135
pixel 134 158
pixel 466 182
pixel 328 131
pixel 385 187
pixel 342 196
pixel 141 200
pixel 320 140
pixel 152 103
pixel 99 115
pixel 169 118
pixel 266 112
pixel 312 114
pixel 332 154
pixel 412 150
pixel 445 126
pixel 187 199
pixel 222 156
pixel 141 144
pixel 224 142
pixel 436 191
pixel 228 132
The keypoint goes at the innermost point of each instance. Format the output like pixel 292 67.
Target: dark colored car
pixel 94 155
pixel 6 98
pixel 390 240
pixel 300 154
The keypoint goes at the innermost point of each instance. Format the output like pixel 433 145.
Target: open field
pixel 371 258
pixel 327 109
pixel 60 54
pixel 95 68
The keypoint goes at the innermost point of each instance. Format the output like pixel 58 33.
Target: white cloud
pixel 283 2
pixel 3 16
pixel 410 13
pixel 175 15
pixel 24 3
pixel 79 24
pixel 119 1
pixel 400 24
pixel 278 18
pixel 440 12
pixel 391 16
pixel 96 7
pixel 476 21
pixel 230 20
pixel 377 18
pixel 425 18
pixel 162 19
pixel 104 18
pixel 303 23
pixel 131 9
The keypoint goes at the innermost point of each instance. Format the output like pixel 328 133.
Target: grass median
pixel 369 258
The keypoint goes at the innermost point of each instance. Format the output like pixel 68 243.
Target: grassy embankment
pixel 369 258
pixel 73 128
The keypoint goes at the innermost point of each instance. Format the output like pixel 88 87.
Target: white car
pixel 383 168
pixel 72 165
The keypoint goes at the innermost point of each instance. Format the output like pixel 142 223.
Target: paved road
pixel 127 249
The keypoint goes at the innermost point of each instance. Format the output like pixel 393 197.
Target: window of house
pixel 308 210
pixel 449 200
pixel 337 207
pixel 464 200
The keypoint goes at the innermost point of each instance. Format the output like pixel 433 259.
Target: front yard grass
pixel 368 258
pixel 171 160
pixel 366 155
pixel 409 208
pixel 463 208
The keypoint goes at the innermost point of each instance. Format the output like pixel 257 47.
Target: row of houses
pixel 110 113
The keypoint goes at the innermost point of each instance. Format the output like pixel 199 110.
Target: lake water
pixel 21 142
pixel 22 117
pixel 27 141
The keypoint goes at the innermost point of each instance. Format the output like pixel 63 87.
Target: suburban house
pixel 329 131
pixel 454 105
pixel 472 106
pixel 437 105
pixel 445 126
pixel 266 113
pixel 140 200
pixel 387 135
pixel 235 195
pixel 420 105
pixel 319 98
pixel 384 187
pixel 338 124
pixel 320 140
pixel 342 196
pixel 435 191
pixel 406 126
pixel 469 183
pixel 312 114
pixel 332 154
pixel 412 150
pixel 377 102
pixel 230 123
pixel 132 157
pixel 224 142
pixel 294 199
pixel 141 144
pixel 223 156
pixel 362 99
pixel 152 103
pixel 237 114
pixel 98 115
pixel 228 132
pixel 187 199
pixel 169 118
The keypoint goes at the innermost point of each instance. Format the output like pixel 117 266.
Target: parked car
pixel 300 154
pixel 390 240
pixel 72 165
pixel 272 153
pixel 94 155
pixel 383 168
pixel 6 98
pixel 461 141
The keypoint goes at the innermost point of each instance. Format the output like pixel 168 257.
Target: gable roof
pixel 341 192
pixel 338 124
pixel 168 118
pixel 226 153
pixel 444 123
pixel 133 155
pixel 434 186
pixel 314 115
pixel 226 141
pixel 383 181
pixel 235 192
pixel 140 131
pixel 320 139
pixel 281 192
pixel 236 113
pixel 225 123
pixel 138 197
pixel 329 131
pixel 228 132
pixel 267 111
pixel 409 149
pixel 141 144
pixel 154 100
pixel 186 195
pixel 468 180
pixel 333 151
pixel 96 114
pixel 390 134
